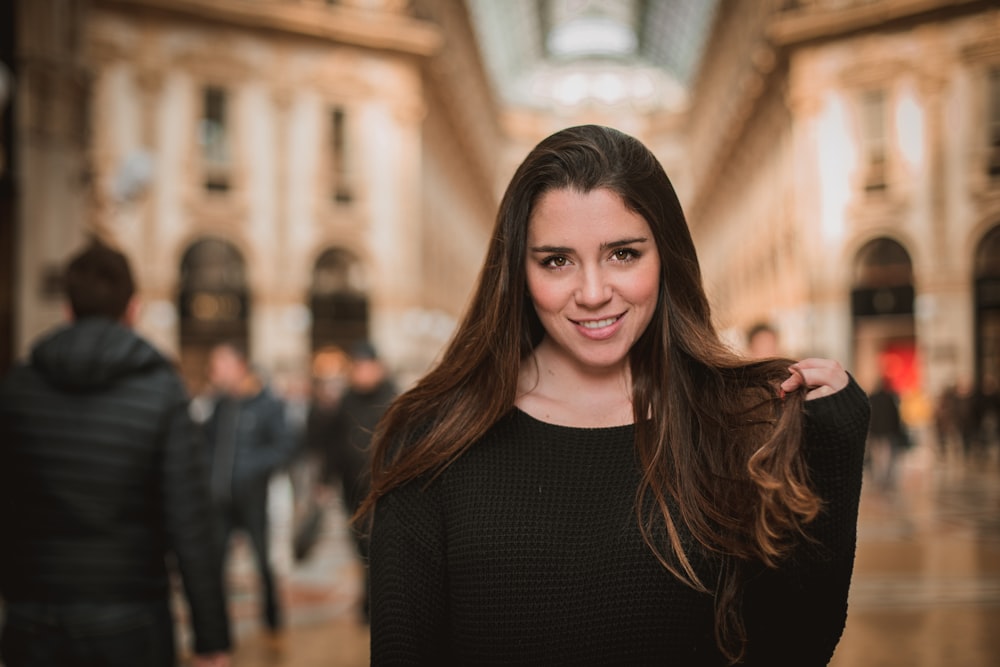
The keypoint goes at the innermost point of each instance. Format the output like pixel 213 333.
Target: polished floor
pixel 926 590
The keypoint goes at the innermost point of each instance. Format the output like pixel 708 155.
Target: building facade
pixel 289 175
pixel 846 167
pixel 296 174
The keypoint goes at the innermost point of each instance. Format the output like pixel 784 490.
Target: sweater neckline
pixel 621 428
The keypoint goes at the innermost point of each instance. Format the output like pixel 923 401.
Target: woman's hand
pixel 821 377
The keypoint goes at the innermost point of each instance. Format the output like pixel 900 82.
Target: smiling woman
pixel 590 476
pixel 593 277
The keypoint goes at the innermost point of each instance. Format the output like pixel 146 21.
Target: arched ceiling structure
pixel 570 53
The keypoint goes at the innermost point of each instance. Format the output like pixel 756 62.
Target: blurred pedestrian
pixel 100 479
pixel 977 417
pixel 347 438
pixel 970 418
pixel 248 440
pixel 762 341
pixel 989 415
pixel 328 386
pixel 590 475
pixel 887 437
pixel 946 417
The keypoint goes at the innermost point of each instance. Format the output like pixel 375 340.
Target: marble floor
pixel 926 589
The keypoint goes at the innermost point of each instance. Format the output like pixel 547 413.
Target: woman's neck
pixel 554 389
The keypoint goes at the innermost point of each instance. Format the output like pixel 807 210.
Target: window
pixel 340 186
pixel 214 139
pixel 994 122
pixel 873 140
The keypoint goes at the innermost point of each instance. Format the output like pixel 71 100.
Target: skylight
pixel 592 36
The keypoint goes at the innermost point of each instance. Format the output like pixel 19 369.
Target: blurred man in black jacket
pixel 101 478
pixel 248 440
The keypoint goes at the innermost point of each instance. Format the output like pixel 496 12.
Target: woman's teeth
pixel 598 324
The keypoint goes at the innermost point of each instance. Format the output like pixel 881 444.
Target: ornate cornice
pixel 821 21
pixel 393 31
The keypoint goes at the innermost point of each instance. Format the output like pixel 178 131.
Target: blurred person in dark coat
pixel 887 436
pixel 248 440
pixel 100 480
pixel 346 435
pixel 945 419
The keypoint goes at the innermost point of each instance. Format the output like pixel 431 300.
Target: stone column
pixel 809 304
pixel 149 84
pixel 51 142
pixel 281 324
pixel 944 317
pixel 391 135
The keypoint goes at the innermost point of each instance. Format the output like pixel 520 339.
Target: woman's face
pixel 593 273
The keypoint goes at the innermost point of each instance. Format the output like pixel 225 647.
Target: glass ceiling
pixel 573 53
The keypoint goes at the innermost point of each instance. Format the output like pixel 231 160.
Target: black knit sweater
pixel 527 551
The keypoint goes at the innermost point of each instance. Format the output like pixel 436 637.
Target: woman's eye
pixel 625 254
pixel 556 261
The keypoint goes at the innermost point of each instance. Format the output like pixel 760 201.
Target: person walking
pixel 346 440
pixel 886 435
pixel 762 341
pixel 248 440
pixel 100 480
pixel 590 475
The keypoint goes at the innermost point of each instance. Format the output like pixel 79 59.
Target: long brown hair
pixel 719 448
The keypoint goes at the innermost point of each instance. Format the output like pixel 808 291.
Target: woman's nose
pixel 594 289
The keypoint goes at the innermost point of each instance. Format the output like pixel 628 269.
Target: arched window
pixel 339 300
pixel 213 303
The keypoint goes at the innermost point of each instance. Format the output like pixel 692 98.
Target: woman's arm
pixel 796 613
pixel 409 600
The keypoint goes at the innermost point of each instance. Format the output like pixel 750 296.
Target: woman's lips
pixel 599 329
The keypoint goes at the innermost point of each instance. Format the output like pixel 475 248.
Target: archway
pixel 213 304
pixel 882 311
pixel 339 300
pixel 987 308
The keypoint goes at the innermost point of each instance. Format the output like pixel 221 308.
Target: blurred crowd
pixel 317 432
pixel 967 419
pixel 107 467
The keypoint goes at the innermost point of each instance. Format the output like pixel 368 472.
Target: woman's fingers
pixel 821 377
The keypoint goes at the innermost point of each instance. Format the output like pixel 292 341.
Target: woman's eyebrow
pixel 604 246
pixel 552 249
pixel 623 242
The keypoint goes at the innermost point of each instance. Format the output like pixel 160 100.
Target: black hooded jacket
pixel 101 477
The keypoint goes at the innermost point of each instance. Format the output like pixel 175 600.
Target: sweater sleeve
pixel 409 597
pixel 795 615
pixel 189 531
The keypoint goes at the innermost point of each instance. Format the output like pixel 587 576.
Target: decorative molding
pixel 216 63
pixel 388 30
pixel 224 217
pixel 102 52
pixel 875 211
pixel 985 49
pixel 822 21
pixel 874 72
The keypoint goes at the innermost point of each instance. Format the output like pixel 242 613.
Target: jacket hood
pixel 93 353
